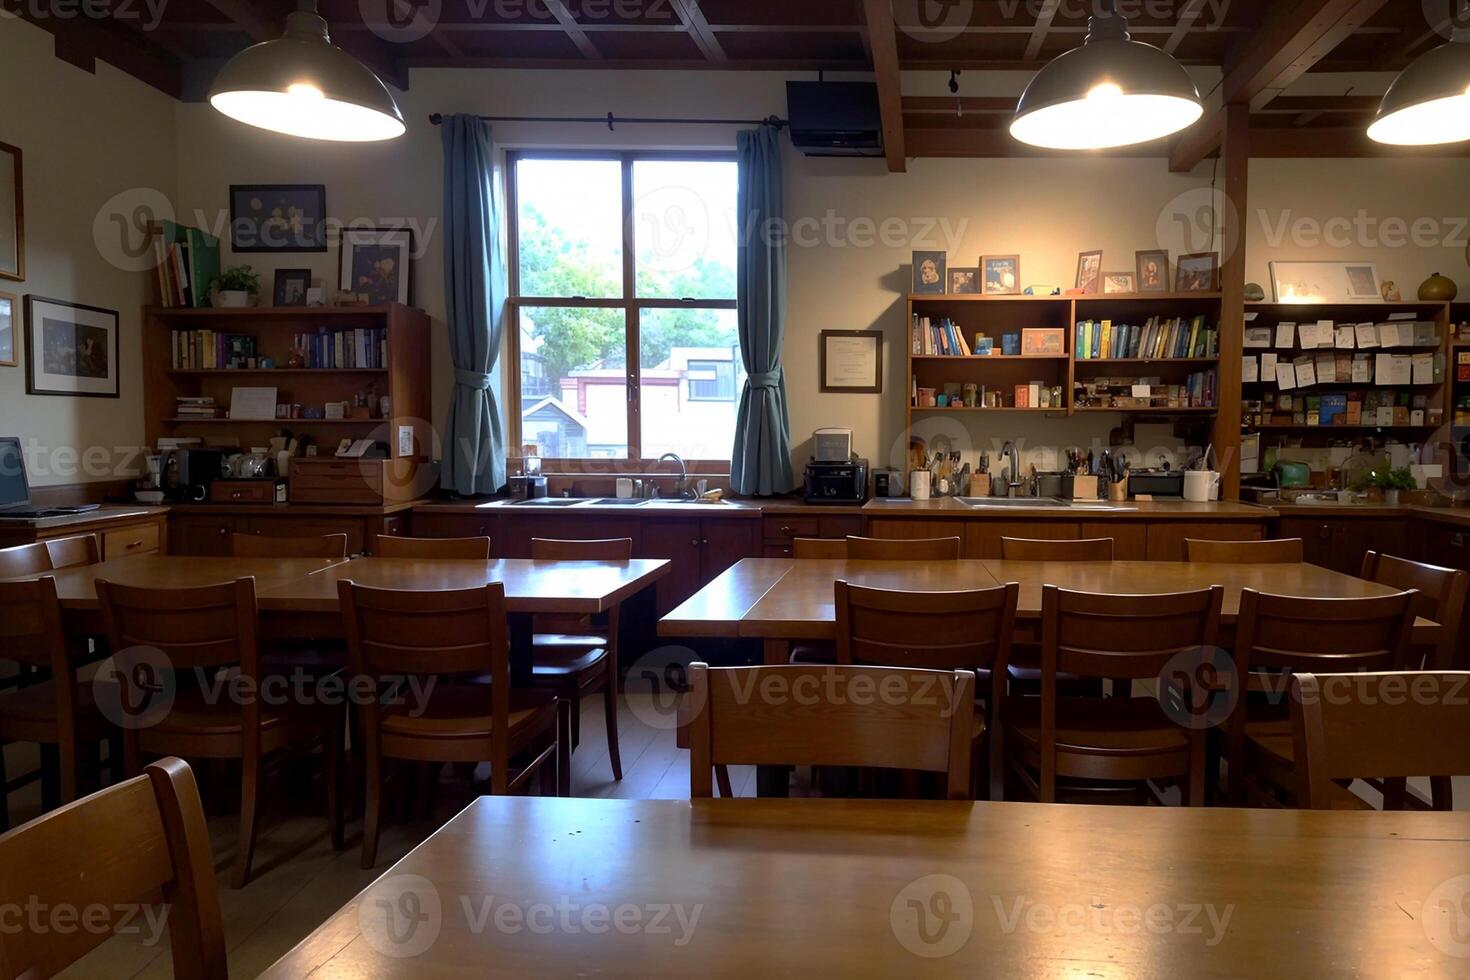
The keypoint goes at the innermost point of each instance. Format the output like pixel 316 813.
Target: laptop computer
pixel 15 490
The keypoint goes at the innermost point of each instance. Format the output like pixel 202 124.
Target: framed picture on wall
pixel 1152 271
pixel 1119 282
pixel 1198 272
pixel 9 331
pixel 72 349
pixel 375 264
pixel 290 287
pixel 1325 282
pixel 1089 272
pixel 963 281
pixel 278 217
pixel 12 215
pixel 850 361
pixel 1002 274
pixel 929 272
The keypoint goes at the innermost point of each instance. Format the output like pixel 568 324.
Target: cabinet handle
pixel 223 531
pixel 705 542
pixel 694 542
pixel 786 530
pixel 133 544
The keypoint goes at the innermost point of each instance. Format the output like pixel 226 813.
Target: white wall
pixel 85 138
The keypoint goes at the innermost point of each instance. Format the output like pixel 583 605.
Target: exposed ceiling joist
pixel 699 29
pixel 81 42
pixel 883 38
pixel 573 30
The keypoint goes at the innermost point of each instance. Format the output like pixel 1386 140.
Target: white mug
pixel 624 487
pixel 1201 485
pixel 919 485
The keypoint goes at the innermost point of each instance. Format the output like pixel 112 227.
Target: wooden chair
pixel 24 559
pixel 59 714
pixel 1280 551
pixel 902 549
pixel 468 549
pixel 1384 726
pixel 395 634
pixel 168 646
pixel 830 549
pixel 1060 549
pixel 882 717
pixel 1441 598
pixel 1099 743
pixel 937 631
pixel 116 851
pixel 1275 634
pixel 575 658
pixel 79 549
pixel 273 546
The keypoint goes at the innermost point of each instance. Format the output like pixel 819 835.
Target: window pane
pixel 574 382
pixel 569 216
pixel 692 379
pixel 684 226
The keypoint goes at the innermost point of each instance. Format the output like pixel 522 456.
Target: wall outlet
pixel 405 440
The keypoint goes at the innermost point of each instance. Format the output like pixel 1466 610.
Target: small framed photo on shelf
pixel 1001 275
pixel 278 217
pixel 1325 282
pixel 850 361
pixel 964 281
pixel 1198 272
pixel 9 332
pixel 375 263
pixel 929 272
pixel 1152 270
pixel 73 349
pixel 1119 282
pixel 291 286
pixel 1089 272
pixel 1043 342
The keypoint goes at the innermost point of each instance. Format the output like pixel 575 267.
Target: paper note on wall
pixel 1249 368
pixel 1367 334
pixel 1286 335
pixel 1343 336
pixel 1423 369
pixel 1285 376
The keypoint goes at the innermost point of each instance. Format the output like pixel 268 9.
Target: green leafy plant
pixel 237 278
pixel 1387 479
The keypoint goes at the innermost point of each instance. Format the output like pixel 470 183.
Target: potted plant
pixel 236 286
pixel 1386 483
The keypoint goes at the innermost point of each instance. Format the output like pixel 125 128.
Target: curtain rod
pixel 611 120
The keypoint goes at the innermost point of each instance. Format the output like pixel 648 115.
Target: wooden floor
pixel 299 881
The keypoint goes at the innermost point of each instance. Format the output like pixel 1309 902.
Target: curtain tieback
pixel 473 379
pixel 766 379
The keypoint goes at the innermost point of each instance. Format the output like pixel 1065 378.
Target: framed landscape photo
pixel 12 215
pixel 375 264
pixel 290 287
pixel 1089 272
pixel 964 281
pixel 929 272
pixel 1325 282
pixel 1198 272
pixel 72 349
pixel 850 361
pixel 1001 275
pixel 9 331
pixel 1152 271
pixel 278 217
pixel 1119 282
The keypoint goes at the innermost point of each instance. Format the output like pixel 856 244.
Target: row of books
pixel 929 338
pixel 1161 338
pixel 1340 408
pixel 195 407
pixel 1197 391
pixel 209 350
pixel 187 263
pixel 357 348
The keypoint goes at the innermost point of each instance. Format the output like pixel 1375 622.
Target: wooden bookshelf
pixel 403 378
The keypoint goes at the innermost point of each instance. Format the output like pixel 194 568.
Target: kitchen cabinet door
pixel 519 531
pixel 200 535
pixel 309 527
pixel 1166 538
pixel 1356 537
pixel 429 524
pixel 724 541
pixel 679 541
pixel 982 537
pixel 1317 538
pixel 1130 541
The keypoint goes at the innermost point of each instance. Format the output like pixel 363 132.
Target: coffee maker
pixel 188 473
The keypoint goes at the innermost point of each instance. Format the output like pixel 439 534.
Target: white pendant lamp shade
pixel 1112 91
pixel 1429 103
pixel 303 85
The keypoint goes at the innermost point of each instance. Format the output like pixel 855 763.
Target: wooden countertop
pixel 107 512
pixel 532 886
pixel 1150 510
pixel 296 510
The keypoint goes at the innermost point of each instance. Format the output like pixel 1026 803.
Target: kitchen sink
pixel 618 501
pixel 547 502
pixel 1014 502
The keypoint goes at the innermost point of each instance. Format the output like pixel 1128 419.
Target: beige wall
pixel 85 138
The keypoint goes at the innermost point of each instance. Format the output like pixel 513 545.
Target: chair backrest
pixel 469 549
pixel 1056 549
pixel 885 717
pixel 902 549
pixel 1386 725
pixel 1441 591
pixel 24 559
pixel 110 854
pixel 202 626
pixel 1283 632
pixel 78 549
pixel 275 546
pixel 1279 551
pixel 1122 636
pixel 30 627
pixel 398 632
pixel 604 549
pixel 831 549
pixel 930 630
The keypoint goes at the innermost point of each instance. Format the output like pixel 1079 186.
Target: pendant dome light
pixel 1112 91
pixel 1429 103
pixel 303 85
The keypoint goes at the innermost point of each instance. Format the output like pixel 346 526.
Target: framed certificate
pixel 851 361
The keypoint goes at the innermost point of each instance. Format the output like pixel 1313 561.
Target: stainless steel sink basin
pixel 618 501
pixel 547 502
pixel 1014 502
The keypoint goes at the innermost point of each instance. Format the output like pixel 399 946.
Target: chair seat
pixel 813 652
pixel 1108 727
pixel 560 662
pixel 316 659
pixel 29 713
pixel 194 713
pixel 463 712
pixel 557 640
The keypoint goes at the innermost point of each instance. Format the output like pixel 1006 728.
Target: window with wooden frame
pixel 622 297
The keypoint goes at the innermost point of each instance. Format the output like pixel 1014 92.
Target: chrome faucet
pixel 681 489
pixel 1013 464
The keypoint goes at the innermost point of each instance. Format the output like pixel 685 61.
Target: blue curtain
pixel 760 461
pixel 474 293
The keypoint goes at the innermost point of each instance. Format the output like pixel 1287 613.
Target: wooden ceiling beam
pixel 882 35
pixel 699 30
pixel 1187 18
pixel 82 42
pixel 573 29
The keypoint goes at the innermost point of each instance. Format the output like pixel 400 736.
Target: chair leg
pixel 4 793
pixel 574 697
pixel 1441 796
pixel 372 807
pixel 68 757
pixel 564 711
pixel 610 703
pixel 249 818
pixel 332 749
pixel 722 780
pixel 1198 770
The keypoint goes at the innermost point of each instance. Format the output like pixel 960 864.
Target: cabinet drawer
pixel 243 492
pixel 285 526
pixel 334 481
pixel 137 540
pixel 786 527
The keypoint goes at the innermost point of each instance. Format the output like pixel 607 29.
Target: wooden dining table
pixel 545 887
pixel 778 600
